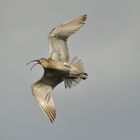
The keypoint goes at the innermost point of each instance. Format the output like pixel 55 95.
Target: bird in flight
pixel 58 67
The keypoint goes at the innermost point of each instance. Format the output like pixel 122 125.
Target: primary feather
pixel 59 35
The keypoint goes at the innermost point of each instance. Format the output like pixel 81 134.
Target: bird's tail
pixel 73 81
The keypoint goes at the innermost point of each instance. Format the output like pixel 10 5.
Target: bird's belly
pixel 58 72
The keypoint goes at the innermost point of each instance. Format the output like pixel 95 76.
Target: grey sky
pixel 107 105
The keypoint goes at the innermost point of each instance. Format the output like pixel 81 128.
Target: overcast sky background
pixel 104 107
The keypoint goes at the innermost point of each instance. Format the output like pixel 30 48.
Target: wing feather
pixel 42 92
pixel 59 35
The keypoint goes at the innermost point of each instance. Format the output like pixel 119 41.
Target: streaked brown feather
pixel 42 92
pixel 59 35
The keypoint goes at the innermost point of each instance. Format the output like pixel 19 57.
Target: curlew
pixel 58 67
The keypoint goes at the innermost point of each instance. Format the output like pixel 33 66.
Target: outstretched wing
pixel 59 35
pixel 42 92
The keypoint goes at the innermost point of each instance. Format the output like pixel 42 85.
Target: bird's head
pixel 42 61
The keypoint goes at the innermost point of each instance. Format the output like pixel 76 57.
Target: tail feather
pixel 69 82
pixel 77 64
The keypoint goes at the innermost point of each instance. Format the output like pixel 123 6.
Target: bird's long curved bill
pixel 34 64
pixel 32 61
